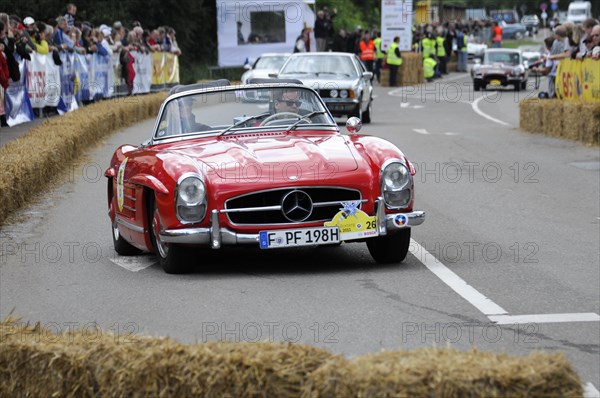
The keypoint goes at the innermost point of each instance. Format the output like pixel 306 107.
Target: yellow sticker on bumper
pixel 353 222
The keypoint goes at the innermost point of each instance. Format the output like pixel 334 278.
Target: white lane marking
pixel 590 391
pixel 545 318
pixel 448 133
pixel 411 89
pixel 406 105
pixel 475 106
pixel 466 291
pixel 421 131
pixel 134 263
pixel 493 311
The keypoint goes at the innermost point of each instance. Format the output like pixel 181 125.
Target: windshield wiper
pixel 293 126
pixel 238 124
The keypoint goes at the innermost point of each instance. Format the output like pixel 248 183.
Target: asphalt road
pixel 507 260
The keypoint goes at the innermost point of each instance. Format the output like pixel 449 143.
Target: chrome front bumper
pixel 217 236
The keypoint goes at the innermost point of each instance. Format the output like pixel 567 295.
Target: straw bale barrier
pixel 409 73
pixel 30 162
pixel 574 120
pixel 84 363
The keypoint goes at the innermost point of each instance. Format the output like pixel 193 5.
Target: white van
pixel 579 11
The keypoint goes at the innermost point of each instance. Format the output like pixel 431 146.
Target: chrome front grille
pixel 294 205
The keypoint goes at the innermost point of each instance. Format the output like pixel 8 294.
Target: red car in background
pixel 226 166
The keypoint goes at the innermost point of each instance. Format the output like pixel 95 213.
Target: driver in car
pixel 287 100
pixel 188 119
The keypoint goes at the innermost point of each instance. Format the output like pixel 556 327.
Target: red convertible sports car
pixel 263 165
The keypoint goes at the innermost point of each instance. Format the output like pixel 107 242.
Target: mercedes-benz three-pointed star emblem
pixel 296 206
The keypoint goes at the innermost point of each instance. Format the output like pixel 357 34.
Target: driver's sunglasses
pixel 291 102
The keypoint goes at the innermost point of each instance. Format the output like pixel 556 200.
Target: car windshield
pixel 579 11
pixel 270 62
pixel 243 109
pixel 320 65
pixel 504 58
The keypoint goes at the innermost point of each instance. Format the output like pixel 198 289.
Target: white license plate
pixel 298 237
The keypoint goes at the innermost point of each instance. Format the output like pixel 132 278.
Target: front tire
pixel 524 85
pixel 121 246
pixel 390 248
pixel 357 112
pixel 171 256
pixel 366 115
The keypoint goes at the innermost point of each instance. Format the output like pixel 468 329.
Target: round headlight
pixel 395 177
pixel 396 185
pixel 333 93
pixel 191 190
pixel 343 93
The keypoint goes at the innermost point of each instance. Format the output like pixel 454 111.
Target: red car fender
pixel 378 151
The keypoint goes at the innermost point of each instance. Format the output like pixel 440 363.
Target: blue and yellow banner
pixel 578 80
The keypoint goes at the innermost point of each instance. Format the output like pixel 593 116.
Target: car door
pixel 365 86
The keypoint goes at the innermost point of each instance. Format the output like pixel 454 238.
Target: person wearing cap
pixel 29 33
pixel 104 37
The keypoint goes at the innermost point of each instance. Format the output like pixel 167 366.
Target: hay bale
pixel 590 118
pixel 411 70
pixel 573 122
pixel 552 114
pixel 409 73
pixel 36 362
pixel 439 372
pixel 61 140
pixel 530 115
pixel 75 365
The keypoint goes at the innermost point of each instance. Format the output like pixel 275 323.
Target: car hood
pixel 271 156
pixel 486 68
pixel 324 81
pixel 257 73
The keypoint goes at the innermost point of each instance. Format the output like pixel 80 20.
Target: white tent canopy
pixel 246 29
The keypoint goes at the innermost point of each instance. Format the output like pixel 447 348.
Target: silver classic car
pixel 341 80
pixel 500 67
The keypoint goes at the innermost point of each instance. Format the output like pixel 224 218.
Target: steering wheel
pixel 283 115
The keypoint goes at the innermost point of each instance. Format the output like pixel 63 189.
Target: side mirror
pixel 368 75
pixel 247 66
pixel 354 124
pixel 477 60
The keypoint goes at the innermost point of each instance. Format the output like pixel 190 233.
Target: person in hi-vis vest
pixel 394 60
pixel 429 64
pixel 379 57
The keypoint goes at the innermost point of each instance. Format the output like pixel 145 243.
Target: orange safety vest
pixel 497 34
pixel 367 51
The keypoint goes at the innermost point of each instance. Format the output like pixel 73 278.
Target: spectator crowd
pixel 439 41
pixel 20 37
